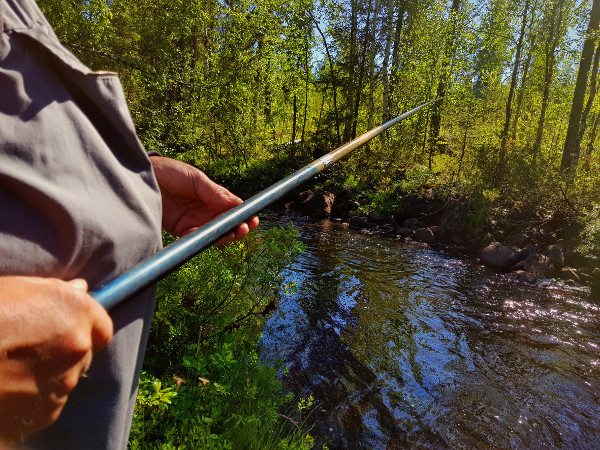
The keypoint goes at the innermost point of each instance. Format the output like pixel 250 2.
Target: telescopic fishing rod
pixel 174 255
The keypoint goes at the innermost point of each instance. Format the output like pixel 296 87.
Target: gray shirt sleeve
pixel 78 198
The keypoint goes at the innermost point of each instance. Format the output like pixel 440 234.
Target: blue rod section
pixel 174 255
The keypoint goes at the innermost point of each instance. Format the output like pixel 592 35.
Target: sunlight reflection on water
pixel 410 347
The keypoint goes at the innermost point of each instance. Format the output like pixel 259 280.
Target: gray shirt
pixel 78 198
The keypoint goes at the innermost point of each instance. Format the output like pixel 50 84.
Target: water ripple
pixel 416 348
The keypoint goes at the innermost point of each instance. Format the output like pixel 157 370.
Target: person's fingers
pixel 242 231
pixel 253 222
pixel 102 325
pixel 79 283
pixel 102 330
pixel 216 196
pixel 229 237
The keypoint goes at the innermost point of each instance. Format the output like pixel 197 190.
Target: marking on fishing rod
pixel 327 160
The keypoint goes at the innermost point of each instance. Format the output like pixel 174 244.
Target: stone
pixel 454 219
pixel 499 256
pixel 404 232
pixel 411 223
pixel 439 233
pixel 556 255
pixel 424 235
pixel 539 265
pixel 530 249
pixel 524 277
pixel 427 208
pixel 317 204
pixel 569 274
pixel 358 222
pixel 486 240
pixel 342 208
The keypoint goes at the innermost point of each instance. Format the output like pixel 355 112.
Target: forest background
pixel 248 91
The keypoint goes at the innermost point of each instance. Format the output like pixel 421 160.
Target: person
pixel 80 203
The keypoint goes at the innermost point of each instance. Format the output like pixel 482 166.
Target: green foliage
pixel 590 238
pixel 204 385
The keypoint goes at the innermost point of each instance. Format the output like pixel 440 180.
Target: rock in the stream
pixel 424 235
pixel 499 256
pixel 556 255
pixel 568 273
pixel 317 204
pixel 358 222
pixel 343 208
pixel 411 223
pixel 539 266
pixel 454 218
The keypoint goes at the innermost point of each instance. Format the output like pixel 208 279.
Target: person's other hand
pixel 191 199
pixel 49 330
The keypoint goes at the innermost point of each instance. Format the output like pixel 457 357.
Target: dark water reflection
pixel 417 348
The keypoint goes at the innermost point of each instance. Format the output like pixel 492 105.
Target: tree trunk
pixel 333 82
pixel 593 135
pixel 396 50
pixel 361 75
pixel 307 79
pixel 513 85
pixel 570 151
pixel 590 100
pixel 436 113
pixel 295 119
pixel 372 66
pixel 386 62
pixel 551 46
pixel 351 83
pixel 521 96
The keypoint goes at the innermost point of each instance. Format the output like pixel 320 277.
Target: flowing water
pixel 419 348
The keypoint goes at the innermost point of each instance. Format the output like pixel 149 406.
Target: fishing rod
pixel 174 255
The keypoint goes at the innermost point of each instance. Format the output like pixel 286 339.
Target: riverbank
pixel 526 249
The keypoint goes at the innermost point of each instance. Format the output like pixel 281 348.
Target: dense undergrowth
pixel 530 197
pixel 204 385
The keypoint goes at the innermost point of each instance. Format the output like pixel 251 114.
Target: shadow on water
pixel 416 348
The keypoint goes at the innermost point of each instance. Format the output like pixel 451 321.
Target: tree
pixel 513 83
pixel 571 149
pixel 554 32
pixel 442 87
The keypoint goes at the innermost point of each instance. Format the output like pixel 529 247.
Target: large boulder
pixel 499 256
pixel 539 265
pixel 317 204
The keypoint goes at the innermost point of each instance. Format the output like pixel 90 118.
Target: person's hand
pixel 49 330
pixel 191 199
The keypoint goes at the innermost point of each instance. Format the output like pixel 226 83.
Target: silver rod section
pixel 174 255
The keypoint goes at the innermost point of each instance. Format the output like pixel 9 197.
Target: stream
pixel 406 347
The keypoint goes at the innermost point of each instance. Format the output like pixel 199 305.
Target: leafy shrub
pixel 204 385
pixel 590 237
